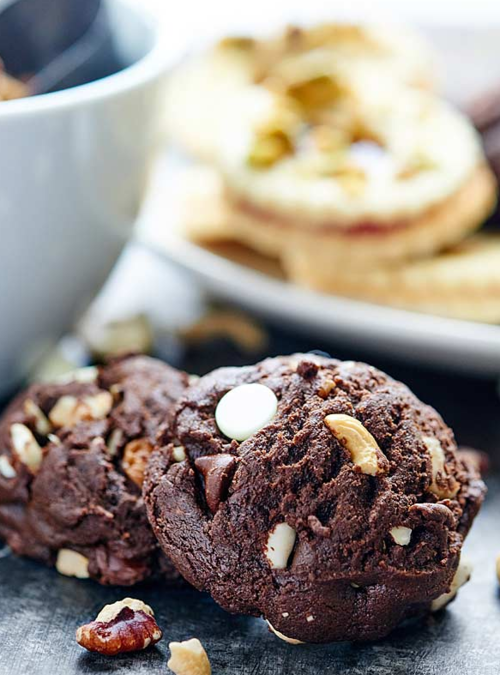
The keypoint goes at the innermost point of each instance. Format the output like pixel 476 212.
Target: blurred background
pixel 92 263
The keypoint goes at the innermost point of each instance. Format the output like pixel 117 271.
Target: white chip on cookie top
pixel 245 409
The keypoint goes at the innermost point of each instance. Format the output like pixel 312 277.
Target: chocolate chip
pixel 307 369
pixel 217 471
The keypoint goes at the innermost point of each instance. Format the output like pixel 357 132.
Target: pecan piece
pixel 125 626
pixel 135 459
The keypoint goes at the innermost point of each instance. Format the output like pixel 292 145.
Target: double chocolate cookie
pixel 320 494
pixel 72 461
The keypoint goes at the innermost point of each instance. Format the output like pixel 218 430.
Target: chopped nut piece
pixel 135 459
pixel 179 453
pixel 279 545
pixel 291 641
pixel 315 92
pixel 6 468
pixel 267 149
pixel 72 564
pixel 125 626
pixel 443 486
pixel 361 445
pixel 69 410
pixel 327 386
pixel 401 535
pixel 115 439
pixel 26 447
pixel 42 424
pixel 189 658
pixel 461 577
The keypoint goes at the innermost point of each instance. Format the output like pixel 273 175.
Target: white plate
pixel 464 54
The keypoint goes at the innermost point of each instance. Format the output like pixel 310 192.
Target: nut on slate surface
pixel 125 626
pixel 189 658
pixel 361 445
pixel 72 564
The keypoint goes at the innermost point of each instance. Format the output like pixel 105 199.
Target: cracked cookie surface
pixel 73 454
pixel 343 515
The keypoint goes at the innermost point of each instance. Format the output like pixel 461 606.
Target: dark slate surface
pixel 40 610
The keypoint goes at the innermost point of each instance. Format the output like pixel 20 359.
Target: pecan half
pixel 125 626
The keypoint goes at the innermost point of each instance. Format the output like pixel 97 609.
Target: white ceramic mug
pixel 73 168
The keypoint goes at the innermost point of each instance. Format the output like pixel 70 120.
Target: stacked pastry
pixel 335 157
pixel 319 494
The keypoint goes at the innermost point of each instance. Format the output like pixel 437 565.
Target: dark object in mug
pixel 57 44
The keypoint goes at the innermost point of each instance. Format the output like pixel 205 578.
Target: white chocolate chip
pixel 462 576
pixel 279 545
pixel 42 424
pixel 361 445
pixel 291 641
pixel 179 453
pixel 245 410
pixel 285 615
pixel 188 658
pixel 401 535
pixel 6 468
pixel 72 564
pixel 26 446
pixel 309 618
pixel 438 468
pixel 69 410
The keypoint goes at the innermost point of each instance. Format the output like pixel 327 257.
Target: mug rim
pixel 146 69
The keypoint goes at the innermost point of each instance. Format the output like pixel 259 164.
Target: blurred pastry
pixel 367 180
pixel 72 459
pixel 461 283
pixel 212 90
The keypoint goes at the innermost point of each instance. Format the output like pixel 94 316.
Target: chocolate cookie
pixel 320 494
pixel 72 461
